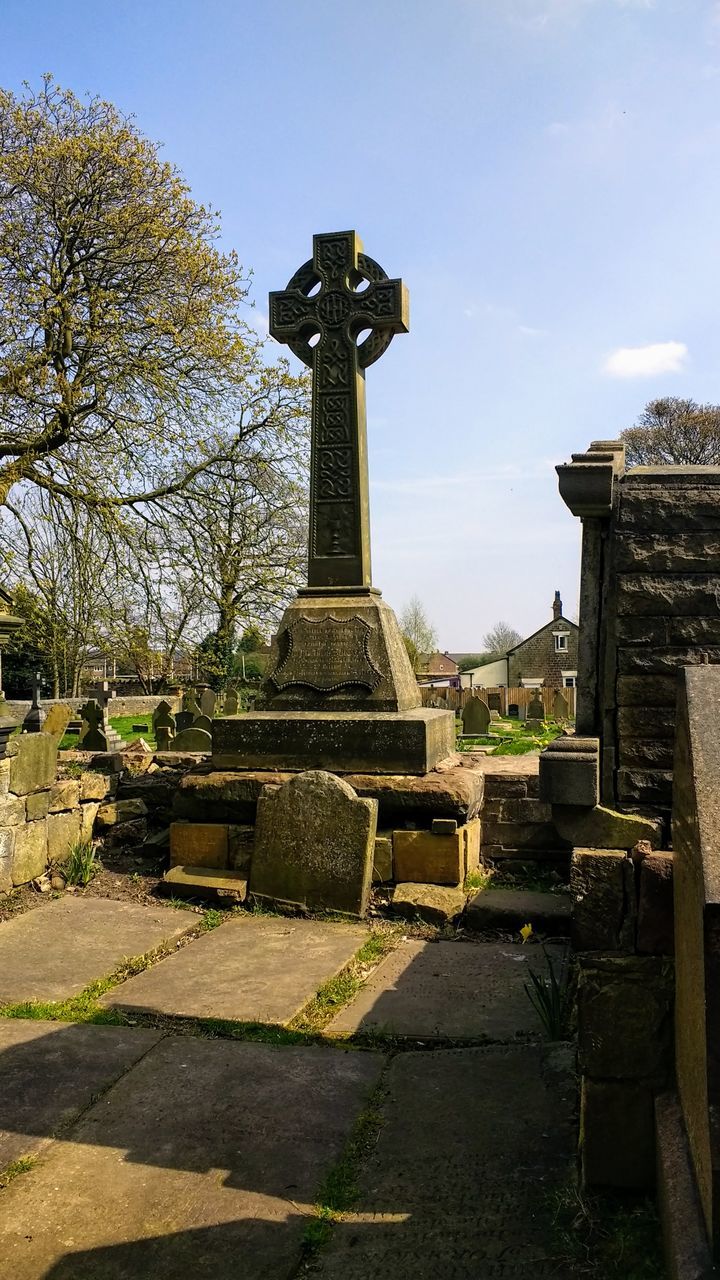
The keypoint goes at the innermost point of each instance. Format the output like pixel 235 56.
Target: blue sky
pixel 544 176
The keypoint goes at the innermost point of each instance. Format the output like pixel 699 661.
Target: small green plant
pixel 549 998
pixel 478 879
pixel 211 919
pixel 12 1171
pixel 74 769
pixel 81 864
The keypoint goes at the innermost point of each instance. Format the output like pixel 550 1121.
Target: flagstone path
pixel 168 1154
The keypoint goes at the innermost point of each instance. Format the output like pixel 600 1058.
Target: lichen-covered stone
pixel 109 815
pixel 314 840
pixel 63 829
pixel 198 844
pixel 655 930
pixel 434 903
pixel 602 888
pixel 36 806
pixel 64 794
pixel 12 811
pixel 420 857
pixel 88 814
pixel 602 828
pixel 7 848
pixel 97 786
pixel 30 854
pixel 33 765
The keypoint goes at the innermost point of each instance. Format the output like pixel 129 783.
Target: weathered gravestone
pixel 192 739
pixel 204 723
pixel 92 735
pixel 340 692
pixel 190 705
pixel 163 726
pixel 183 720
pixel 494 702
pixel 475 716
pixel 230 706
pixel 560 708
pixel 535 714
pixel 57 720
pixel 207 703
pixel 314 841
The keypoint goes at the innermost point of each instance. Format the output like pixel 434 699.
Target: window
pixel 561 641
pixel 569 679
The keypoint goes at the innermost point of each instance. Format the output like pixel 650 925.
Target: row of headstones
pixel 191 728
pixel 477 715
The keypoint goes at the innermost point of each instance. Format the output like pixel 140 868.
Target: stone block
pixel 33 765
pixel 473 838
pixel 624 1008
pixel 241 842
pixel 656 595
pixel 410 742
pixel 30 854
pixel 382 859
pixel 63 829
pixel 423 858
pixel 647 753
pixel 645 786
pixel 443 826
pixel 646 691
pixel 7 848
pixel 522 835
pixel 656 925
pixel 109 815
pixel 314 840
pixel 4 776
pixel 602 828
pixel 646 722
pixel 96 786
pixel 571 776
pixel 205 882
pixel 509 909
pixel 13 811
pixel 88 814
pixel 433 903
pixel 617 1138
pixel 505 786
pixel 57 720
pixel 36 806
pixel 198 844
pixel 64 794
pixel 602 888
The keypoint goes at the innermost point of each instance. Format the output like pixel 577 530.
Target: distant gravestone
pixel 193 739
pixel 513 709
pixel 231 702
pixel 204 723
pixel 314 842
pixel 475 717
pixel 183 720
pixel 57 720
pixel 207 703
pixel 35 717
pixel 560 708
pixel 494 701
pixel 536 710
pixel 190 705
pixel 92 735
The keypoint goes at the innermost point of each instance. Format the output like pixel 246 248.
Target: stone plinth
pixel 409 742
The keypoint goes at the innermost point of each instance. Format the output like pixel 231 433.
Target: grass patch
pixel 340 990
pixel 12 1171
pixel 122 725
pixel 340 1191
pixel 608 1238
pixel 211 919
pixel 481 878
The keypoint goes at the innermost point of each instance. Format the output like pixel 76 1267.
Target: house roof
pixel 443 663
pixel 572 626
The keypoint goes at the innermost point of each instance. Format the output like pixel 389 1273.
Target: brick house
pixel 437 666
pixel 548 657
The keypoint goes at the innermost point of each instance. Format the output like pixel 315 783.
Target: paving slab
pixel 449 990
pixel 510 909
pixel 257 969
pixel 457 1186
pixel 54 951
pixel 204 1161
pixel 52 1071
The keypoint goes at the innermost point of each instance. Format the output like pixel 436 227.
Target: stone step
pixel 204 882
pixel 510 909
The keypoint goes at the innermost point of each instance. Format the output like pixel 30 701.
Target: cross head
pixel 329 304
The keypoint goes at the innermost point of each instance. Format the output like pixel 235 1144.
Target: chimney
pixel 557 606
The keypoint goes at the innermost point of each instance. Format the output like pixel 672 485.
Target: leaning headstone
pixel 231 702
pixel 494 701
pixel 192 739
pixel 35 717
pixel 207 703
pixel 92 734
pixel 560 708
pixel 57 720
pixel 475 717
pixel 314 842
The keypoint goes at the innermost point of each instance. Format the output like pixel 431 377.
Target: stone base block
pixel 410 742
pixel 569 772
pixel 435 904
pixel 602 886
pixel 204 882
pixel 424 858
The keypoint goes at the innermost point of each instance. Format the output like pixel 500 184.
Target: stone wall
pixel 41 816
pixel 516 825
pixel 623 936
pixel 120 706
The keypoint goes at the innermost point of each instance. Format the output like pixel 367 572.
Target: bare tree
pixel 500 638
pixel 418 632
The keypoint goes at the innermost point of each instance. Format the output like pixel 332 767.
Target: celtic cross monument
pixel 332 299
pixel 340 693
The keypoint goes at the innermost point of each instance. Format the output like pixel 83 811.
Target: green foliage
pixel 251 640
pixel 81 863
pixel 12 1171
pixel 481 878
pixel 550 999
pixel 472 660
pixel 674 432
pixel 607 1237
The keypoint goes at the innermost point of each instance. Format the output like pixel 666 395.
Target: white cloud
pixel 645 362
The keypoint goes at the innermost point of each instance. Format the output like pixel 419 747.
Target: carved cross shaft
pixel 322 326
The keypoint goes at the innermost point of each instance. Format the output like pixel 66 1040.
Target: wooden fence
pixel 498 699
